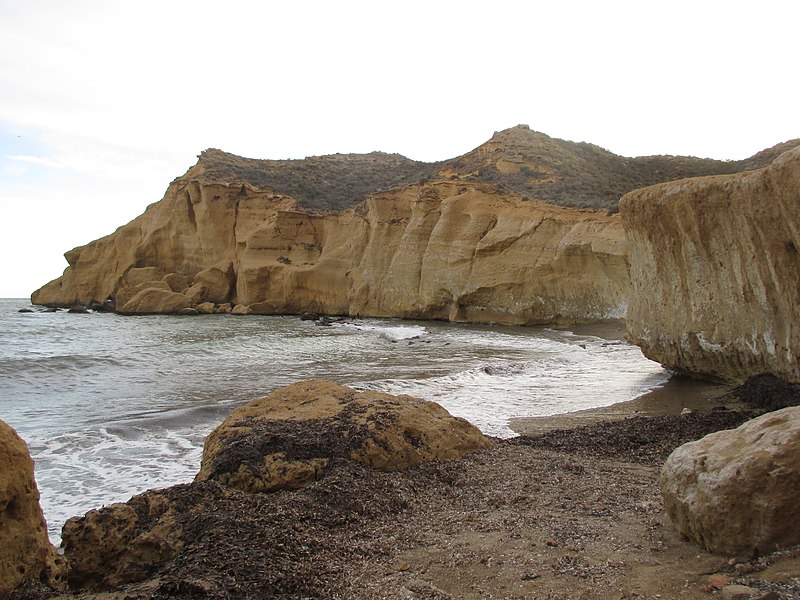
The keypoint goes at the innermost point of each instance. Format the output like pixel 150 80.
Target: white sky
pixel 104 102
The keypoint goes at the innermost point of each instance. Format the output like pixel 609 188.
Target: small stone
pixel 743 568
pixel 687 411
pixel 769 596
pixel 552 543
pixel 718 581
pixel 738 592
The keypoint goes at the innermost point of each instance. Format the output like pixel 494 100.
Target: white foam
pixel 96 467
pixel 393 333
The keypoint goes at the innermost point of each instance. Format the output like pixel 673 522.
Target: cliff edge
pixel 714 272
pixel 490 236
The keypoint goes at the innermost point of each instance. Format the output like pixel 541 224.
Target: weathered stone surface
pixel 287 439
pixel 121 543
pixel 205 308
pixel 25 551
pixel 213 284
pixel 714 271
pixel 241 309
pixel 737 491
pixel 455 249
pixel 155 301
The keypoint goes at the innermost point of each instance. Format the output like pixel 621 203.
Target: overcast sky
pixel 104 102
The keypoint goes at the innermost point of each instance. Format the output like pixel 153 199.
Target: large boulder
pixel 287 439
pixel 713 266
pixel 25 551
pixel 155 300
pixel 738 491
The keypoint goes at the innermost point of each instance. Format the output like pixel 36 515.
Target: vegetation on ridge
pixel 573 174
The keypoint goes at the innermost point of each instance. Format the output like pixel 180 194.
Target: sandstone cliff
pixel 456 250
pixel 714 269
pixel 467 239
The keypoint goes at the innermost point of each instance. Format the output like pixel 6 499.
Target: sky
pixel 104 102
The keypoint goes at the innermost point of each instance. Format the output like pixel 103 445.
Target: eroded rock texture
pixel 453 250
pixel 715 265
pixel 737 491
pixel 288 439
pixel 25 551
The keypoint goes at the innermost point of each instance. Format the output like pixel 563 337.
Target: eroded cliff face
pixel 454 250
pixel 715 272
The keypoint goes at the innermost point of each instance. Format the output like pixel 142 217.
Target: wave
pixel 34 364
pixel 392 333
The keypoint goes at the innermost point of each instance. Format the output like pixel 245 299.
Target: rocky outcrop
pixel 284 441
pixel 288 439
pixel 451 250
pixel 25 551
pixel 714 271
pixel 122 542
pixel 737 491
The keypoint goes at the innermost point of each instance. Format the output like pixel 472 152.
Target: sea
pixel 111 405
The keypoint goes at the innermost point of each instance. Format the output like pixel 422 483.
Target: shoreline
pixel 671 398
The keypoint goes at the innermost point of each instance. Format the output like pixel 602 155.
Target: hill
pixel 560 172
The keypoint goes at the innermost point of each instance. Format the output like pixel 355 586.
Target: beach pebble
pixel 738 592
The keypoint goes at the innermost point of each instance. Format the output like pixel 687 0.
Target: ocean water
pixel 111 406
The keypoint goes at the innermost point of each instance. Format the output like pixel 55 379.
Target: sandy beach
pixel 563 513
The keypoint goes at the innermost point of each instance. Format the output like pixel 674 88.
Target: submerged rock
pixel 288 439
pixel 738 491
pixel 25 551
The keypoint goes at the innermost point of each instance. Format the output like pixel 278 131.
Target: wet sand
pixel 677 393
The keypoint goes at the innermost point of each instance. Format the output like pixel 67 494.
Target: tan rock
pixel 456 250
pixel 287 439
pixel 263 308
pixel 121 543
pixel 732 491
pixel 144 275
pixel 155 301
pixel 205 308
pixel 25 550
pixel 177 282
pixel 213 284
pixel 241 309
pixel 714 268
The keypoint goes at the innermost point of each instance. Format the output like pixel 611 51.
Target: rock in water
pixel 714 270
pixel 287 439
pixel 25 551
pixel 738 491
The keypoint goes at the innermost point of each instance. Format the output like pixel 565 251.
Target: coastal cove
pixel 111 406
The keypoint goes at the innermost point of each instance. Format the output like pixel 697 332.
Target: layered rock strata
pixel 714 265
pixel 452 250
pixel 737 491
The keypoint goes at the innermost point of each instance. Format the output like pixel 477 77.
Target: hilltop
pixel 533 164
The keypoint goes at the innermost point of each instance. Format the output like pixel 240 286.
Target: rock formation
pixel 288 439
pixel 737 491
pixel 444 250
pixel 714 267
pixel 25 551
pixel 122 542
pixel 466 240
pixel 284 441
